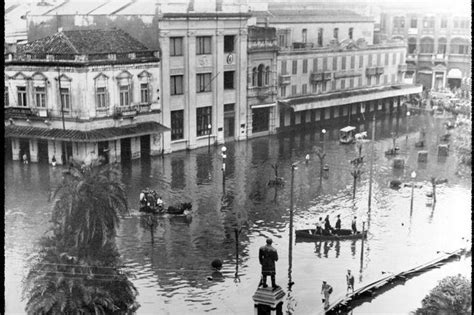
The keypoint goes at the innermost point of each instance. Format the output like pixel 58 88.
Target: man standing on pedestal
pixel 267 256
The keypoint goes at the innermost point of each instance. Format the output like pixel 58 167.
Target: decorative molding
pixel 243 32
pixel 124 75
pixel 41 76
pixel 204 61
pixel 100 75
pixel 20 76
pixel 144 73
pixel 191 33
pixel 63 77
pixel 219 32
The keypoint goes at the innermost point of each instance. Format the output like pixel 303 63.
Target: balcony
pixel 425 57
pixel 439 58
pixel 327 76
pixel 262 92
pixel 412 31
pixel 143 107
pixel 18 112
pixel 459 58
pixel 402 68
pixel 347 74
pixel 126 111
pixel 285 79
pixel 370 71
pixel 412 58
pixel 427 31
pixel 316 77
pixel 379 70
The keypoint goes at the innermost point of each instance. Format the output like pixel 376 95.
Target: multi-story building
pixel 262 81
pixel 328 67
pixel 82 95
pixel 204 72
pixel 438 42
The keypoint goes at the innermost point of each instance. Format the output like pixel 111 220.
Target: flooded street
pixel 171 273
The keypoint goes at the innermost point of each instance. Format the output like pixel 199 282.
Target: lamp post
pixel 413 176
pixel 223 149
pixel 408 116
pixel 209 138
pixel 321 156
pixel 290 244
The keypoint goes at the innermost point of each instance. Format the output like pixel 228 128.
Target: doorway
pixel 145 146
pixel 103 149
pixel 24 149
pixel 229 126
pixel 126 150
pixel 43 152
pixel 8 150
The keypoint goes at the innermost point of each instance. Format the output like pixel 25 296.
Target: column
pixel 165 87
pixel 241 108
pixel 218 64
pixel 156 144
pixel 135 146
pixel 190 89
pixel 16 149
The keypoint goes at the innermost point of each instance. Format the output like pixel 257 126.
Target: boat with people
pixel 347 135
pixel 151 202
pixel 341 234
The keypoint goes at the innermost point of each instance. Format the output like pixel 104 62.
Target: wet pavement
pixel 171 273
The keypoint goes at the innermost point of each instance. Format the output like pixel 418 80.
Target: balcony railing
pixel 402 68
pixel 413 31
pixel 285 79
pixel 126 111
pixel 379 70
pixel 370 71
pixel 327 76
pixel 316 77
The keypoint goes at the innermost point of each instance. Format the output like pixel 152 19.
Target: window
pixel 304 35
pixel 254 76
pixel 283 91
pixel 334 63
pixel 351 83
pixel 336 34
pixel 314 88
pixel 6 97
pixel 21 91
pixel 353 60
pixel 124 92
pixel 261 75
pixel 456 23
pixel 377 79
pixel 293 90
pixel 343 84
pixel 428 22
pixel 343 62
pixel 203 82
pixel 385 79
pixel 305 65
pixel 229 108
pixel 176 84
pixel 283 67
pixel 65 98
pixel 176 46
pixel 144 93
pixel 386 59
pixel 101 96
pixel 333 85
pixel 282 40
pixel 177 123
pixel 229 43
pixel 40 96
pixel 315 64
pixel 324 86
pixel 294 67
pixel 320 37
pixel 369 64
pixel 441 46
pixel 444 22
pixel 351 32
pixel 379 60
pixel 361 61
pixel 203 45
pixel 267 75
pixel 304 89
pixel 325 63
pixel 359 81
pixel 228 80
pixel 203 119
pixel 426 45
pixel 413 22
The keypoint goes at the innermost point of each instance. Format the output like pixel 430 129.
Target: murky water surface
pixel 171 273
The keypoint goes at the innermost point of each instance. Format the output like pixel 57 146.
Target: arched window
pixel 260 75
pixel 254 77
pixel 442 46
pixel 267 75
pixel 426 45
pixel 336 33
pixel 459 46
pixel 411 45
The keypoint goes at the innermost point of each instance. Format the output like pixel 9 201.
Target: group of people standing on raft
pixel 325 228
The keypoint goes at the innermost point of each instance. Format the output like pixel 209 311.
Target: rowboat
pixel 342 234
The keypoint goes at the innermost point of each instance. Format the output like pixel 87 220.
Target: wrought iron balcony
pixel 316 77
pixel 402 68
pixel 327 76
pixel 285 79
pixel 370 71
pixel 379 70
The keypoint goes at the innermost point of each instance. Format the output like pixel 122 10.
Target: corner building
pixel 81 95
pixel 204 73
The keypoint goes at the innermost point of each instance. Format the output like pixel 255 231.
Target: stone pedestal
pixel 422 156
pixel 398 163
pixel 268 301
pixel 443 150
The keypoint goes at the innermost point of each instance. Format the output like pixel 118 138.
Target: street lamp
pixel 413 176
pixel 321 158
pixel 408 116
pixel 223 149
pixel 209 138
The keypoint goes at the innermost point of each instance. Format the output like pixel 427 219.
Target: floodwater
pixel 171 272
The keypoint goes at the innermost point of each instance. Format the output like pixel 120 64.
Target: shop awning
pixel 454 74
pixel 103 134
pixel 350 97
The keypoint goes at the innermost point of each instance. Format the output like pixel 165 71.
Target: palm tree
pixel 451 296
pixel 88 205
pixel 60 283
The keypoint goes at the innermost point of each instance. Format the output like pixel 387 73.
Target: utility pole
pixel 371 161
pixel 356 172
pixel 64 159
pixel 290 256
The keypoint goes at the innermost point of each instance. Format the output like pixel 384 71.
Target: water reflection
pixel 183 247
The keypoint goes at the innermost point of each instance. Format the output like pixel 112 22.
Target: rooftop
pixel 85 42
pixel 315 16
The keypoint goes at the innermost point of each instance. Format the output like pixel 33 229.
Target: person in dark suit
pixel 267 256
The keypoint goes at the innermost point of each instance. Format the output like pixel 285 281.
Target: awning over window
pixel 454 74
pixel 103 134
pixel 262 105
pixel 350 97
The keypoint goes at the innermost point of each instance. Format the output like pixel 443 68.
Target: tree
pixel 452 295
pixel 87 207
pixel 462 143
pixel 76 270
